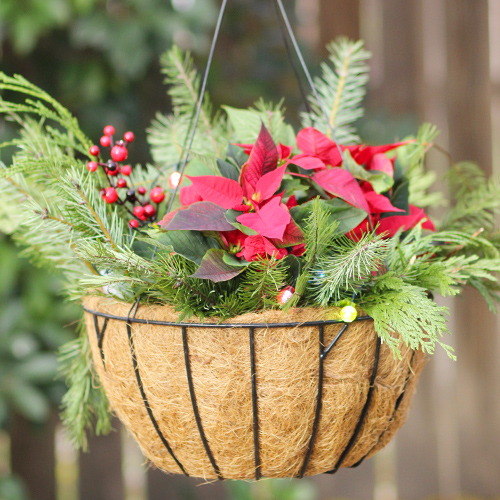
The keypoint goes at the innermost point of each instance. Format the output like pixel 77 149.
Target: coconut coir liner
pixel 287 384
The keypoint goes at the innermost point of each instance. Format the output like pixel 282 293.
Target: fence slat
pixel 101 476
pixel 338 17
pixel 469 115
pixel 161 486
pixel 32 456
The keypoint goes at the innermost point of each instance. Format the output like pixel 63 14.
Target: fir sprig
pixel 341 89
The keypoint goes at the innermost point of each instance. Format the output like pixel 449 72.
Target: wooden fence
pixel 437 60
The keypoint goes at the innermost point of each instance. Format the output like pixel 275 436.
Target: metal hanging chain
pixel 290 58
pixel 200 99
pixel 309 77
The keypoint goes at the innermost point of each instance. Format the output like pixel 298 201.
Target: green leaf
pixel 246 123
pixel 228 170
pixel 399 199
pixel 190 244
pixel 231 218
pixel 347 216
pixel 380 181
pixel 232 260
pixel 213 267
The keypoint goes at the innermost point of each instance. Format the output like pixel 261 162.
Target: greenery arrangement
pixel 264 217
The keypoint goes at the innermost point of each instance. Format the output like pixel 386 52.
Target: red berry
pixel 143 218
pixel 110 195
pixel 138 211
pixel 119 153
pixel 126 170
pixel 112 172
pixel 133 223
pixel 109 130
pixel 92 166
pixel 121 183
pixel 149 210
pixel 105 141
pixel 94 150
pixel 141 190
pixel 128 136
pixel 157 195
pixel 174 180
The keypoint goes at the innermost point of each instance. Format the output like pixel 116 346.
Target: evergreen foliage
pixel 341 89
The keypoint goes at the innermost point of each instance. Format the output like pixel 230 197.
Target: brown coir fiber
pixel 287 386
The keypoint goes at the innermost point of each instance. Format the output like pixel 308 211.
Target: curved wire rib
pixel 220 325
pixel 195 405
pixel 255 409
pixel 364 412
pixel 100 337
pixel 143 393
pixel 396 408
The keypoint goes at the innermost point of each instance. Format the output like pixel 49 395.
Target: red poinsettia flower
pixel 254 196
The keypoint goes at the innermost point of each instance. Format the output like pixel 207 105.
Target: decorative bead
pixel 105 141
pixel 285 295
pixel 121 183
pixel 133 223
pixel 129 137
pixel 138 211
pixel 157 195
pixel 174 180
pixel 94 150
pixel 92 166
pixel 141 190
pixel 126 170
pixel 110 195
pixel 119 153
pixel 348 313
pixel 149 210
pixel 109 130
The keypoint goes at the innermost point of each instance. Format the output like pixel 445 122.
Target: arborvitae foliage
pixel 341 88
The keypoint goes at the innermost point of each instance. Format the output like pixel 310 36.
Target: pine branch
pixel 341 89
pixel 349 265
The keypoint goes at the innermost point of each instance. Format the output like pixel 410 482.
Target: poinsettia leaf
pixel 268 184
pixel 270 220
pixel 224 192
pixel 399 199
pixel 262 160
pixel 366 153
pixel 232 260
pixel 259 246
pixel 192 245
pixel 391 225
pixel 307 162
pixel 379 203
pixel 228 170
pixel 314 143
pixel 380 181
pixel 200 216
pixel 214 268
pixel 346 216
pixel 189 195
pixel 342 183
pixel 236 155
pixel 231 218
pixel 381 163
pixel 293 236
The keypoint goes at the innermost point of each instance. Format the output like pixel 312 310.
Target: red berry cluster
pixel 134 200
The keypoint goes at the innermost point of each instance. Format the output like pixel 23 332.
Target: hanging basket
pixel 268 395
